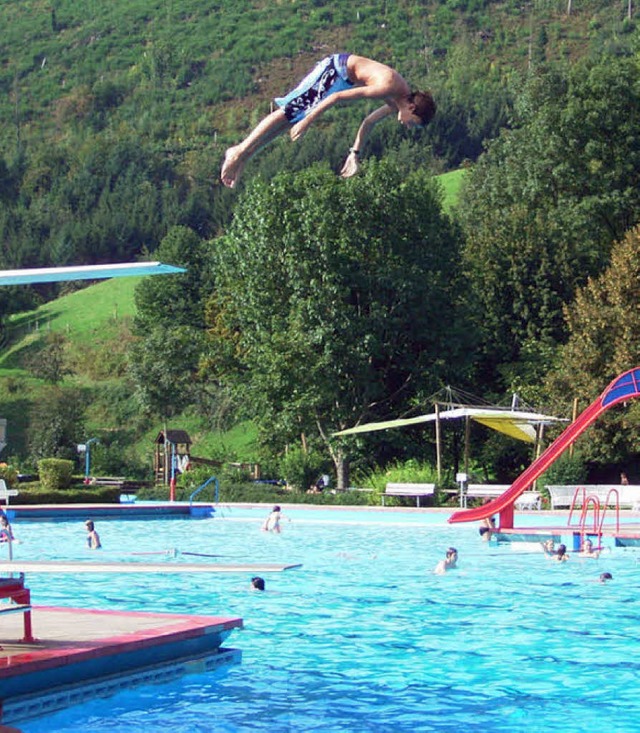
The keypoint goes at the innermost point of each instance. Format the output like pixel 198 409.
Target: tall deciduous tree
pixel 57 424
pixel 163 362
pixel 604 341
pixel 337 301
pixel 547 200
pixel 177 300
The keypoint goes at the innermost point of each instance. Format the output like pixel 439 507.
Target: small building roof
pixel 176 437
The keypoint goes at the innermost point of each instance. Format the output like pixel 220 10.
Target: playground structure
pixel 172 456
pixel 622 388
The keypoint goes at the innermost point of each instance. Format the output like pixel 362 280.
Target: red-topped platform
pixel 78 653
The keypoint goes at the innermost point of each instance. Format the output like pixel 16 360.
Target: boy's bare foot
pixel 232 167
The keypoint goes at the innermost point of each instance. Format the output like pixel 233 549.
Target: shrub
pixel 300 468
pixel 33 495
pixel 569 470
pixel 411 471
pixel 55 473
pixel 9 474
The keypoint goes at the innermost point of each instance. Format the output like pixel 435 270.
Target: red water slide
pixel 624 387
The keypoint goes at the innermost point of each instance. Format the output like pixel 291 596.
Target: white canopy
pixel 516 423
pixel 85 272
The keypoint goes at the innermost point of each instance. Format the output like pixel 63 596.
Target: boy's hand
pixel 351 166
pixel 299 129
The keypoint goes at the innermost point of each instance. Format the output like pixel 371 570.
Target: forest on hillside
pixel 314 303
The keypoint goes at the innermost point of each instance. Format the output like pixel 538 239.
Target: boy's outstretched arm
pixel 345 95
pixel 352 163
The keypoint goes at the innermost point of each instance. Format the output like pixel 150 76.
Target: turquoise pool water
pixel 364 637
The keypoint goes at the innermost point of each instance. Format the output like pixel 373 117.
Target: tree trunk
pixel 342 471
pixel 569 7
pixel 340 462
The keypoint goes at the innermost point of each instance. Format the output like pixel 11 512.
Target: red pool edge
pixel 82 653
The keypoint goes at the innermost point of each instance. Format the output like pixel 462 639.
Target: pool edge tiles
pixel 84 652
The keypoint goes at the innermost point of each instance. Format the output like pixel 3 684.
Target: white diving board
pixel 85 272
pixel 57 566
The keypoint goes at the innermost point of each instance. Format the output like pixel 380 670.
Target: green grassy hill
pixel 90 315
pixel 69 66
pixel 95 323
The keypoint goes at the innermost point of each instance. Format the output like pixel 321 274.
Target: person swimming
pixel 93 539
pixel 6 533
pixel 561 554
pixel 587 549
pixel 272 522
pixel 449 562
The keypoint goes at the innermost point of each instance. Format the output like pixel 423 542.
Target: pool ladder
pixel 9 541
pixel 599 512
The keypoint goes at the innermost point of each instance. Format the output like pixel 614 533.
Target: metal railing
pixel 203 486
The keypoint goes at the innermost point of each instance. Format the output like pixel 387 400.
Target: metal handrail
pixel 591 499
pixel 606 506
pixel 204 485
pixel 7 534
pixel 573 502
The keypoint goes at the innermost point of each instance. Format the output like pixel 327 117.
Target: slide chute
pixel 624 387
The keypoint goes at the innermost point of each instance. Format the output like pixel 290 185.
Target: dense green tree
pixel 170 324
pixel 56 424
pixel 545 202
pixel 176 300
pixel 336 301
pixel 163 367
pixel 604 341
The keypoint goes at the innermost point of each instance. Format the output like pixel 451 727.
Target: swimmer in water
pixel 587 549
pixel 449 562
pixel 272 522
pixel 93 539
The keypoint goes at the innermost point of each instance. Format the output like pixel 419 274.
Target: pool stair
pixel 81 653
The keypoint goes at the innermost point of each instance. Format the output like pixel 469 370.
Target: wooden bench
pixel 486 491
pixel 481 491
pixel 108 481
pixel 417 490
pixel 562 495
pixel 5 492
pixel 527 501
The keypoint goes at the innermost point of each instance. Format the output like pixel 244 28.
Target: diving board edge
pixel 56 566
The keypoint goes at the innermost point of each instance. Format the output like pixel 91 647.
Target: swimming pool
pixel 364 637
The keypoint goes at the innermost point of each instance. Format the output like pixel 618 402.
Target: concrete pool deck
pixel 78 653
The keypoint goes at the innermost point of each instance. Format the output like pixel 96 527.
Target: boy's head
pixel 424 106
pixel 257 583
